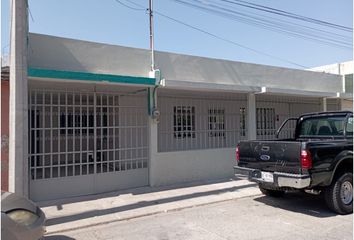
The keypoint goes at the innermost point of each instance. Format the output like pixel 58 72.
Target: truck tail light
pixel 306 161
pixel 237 154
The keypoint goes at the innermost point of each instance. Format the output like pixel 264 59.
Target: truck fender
pixel 343 156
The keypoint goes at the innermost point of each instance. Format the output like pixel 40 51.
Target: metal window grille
pixel 79 133
pixel 184 122
pixel 214 122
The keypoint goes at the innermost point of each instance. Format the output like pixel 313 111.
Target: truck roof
pixel 331 113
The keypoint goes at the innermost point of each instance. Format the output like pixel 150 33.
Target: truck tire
pixel 339 195
pixel 271 192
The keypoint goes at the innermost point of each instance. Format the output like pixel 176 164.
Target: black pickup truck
pixel 317 159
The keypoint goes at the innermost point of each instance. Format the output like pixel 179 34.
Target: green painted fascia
pixel 97 77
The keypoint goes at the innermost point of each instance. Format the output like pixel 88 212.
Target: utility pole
pixel 151 36
pixel 18 135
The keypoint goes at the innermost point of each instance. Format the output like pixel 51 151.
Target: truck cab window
pixel 323 126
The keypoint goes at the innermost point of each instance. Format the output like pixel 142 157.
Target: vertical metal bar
pixel 43 133
pixel 119 132
pixel 74 133
pixel 95 133
pixel 185 127
pixel 114 130
pixel 30 114
pixel 205 117
pixel 189 126
pixel 217 126
pixel 210 128
pixel 59 155
pixel 51 135
pixel 136 136
pixel 35 134
pixel 131 136
pixel 107 131
pixel 101 133
pixel 66 133
pixel 81 123
pixel 171 120
pixel 125 136
pixel 201 143
pixel 88 135
pixel 180 134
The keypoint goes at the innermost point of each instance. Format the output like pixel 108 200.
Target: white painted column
pixel 18 144
pixel 251 117
pixel 324 104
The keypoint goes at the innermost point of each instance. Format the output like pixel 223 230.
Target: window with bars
pixel 184 121
pixel 265 121
pixel 216 123
pixel 242 121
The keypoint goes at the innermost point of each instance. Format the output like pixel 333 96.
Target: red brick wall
pixel 5 135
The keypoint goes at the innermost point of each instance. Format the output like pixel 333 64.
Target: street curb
pixel 147 214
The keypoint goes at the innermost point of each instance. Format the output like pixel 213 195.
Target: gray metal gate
pixel 86 143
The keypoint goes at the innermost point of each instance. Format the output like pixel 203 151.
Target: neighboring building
pixel 346 70
pixel 94 122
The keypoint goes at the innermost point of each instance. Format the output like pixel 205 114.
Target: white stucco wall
pixel 186 166
pixel 337 68
pixel 73 55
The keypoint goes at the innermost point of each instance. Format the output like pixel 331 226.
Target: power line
pixel 286 14
pixel 300 25
pixel 265 18
pixel 280 27
pixel 132 8
pixel 221 38
pixel 229 41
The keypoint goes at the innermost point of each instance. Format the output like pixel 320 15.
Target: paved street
pixel 296 216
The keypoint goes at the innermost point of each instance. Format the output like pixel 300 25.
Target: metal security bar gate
pixel 86 143
pixel 272 111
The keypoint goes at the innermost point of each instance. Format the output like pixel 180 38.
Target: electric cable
pixel 269 25
pixel 221 38
pixel 286 14
pixel 132 8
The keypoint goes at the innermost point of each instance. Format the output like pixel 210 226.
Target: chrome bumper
pixel 280 179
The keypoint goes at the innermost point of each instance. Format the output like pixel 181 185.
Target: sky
pixel 108 21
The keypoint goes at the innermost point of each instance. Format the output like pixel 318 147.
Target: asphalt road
pixel 295 216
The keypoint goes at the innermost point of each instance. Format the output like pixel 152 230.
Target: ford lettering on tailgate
pixel 264 157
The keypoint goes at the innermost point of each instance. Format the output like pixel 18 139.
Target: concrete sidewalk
pixel 80 212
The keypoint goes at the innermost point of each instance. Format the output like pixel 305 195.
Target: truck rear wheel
pixel 339 195
pixel 271 192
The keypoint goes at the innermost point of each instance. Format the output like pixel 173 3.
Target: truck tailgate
pixel 272 156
